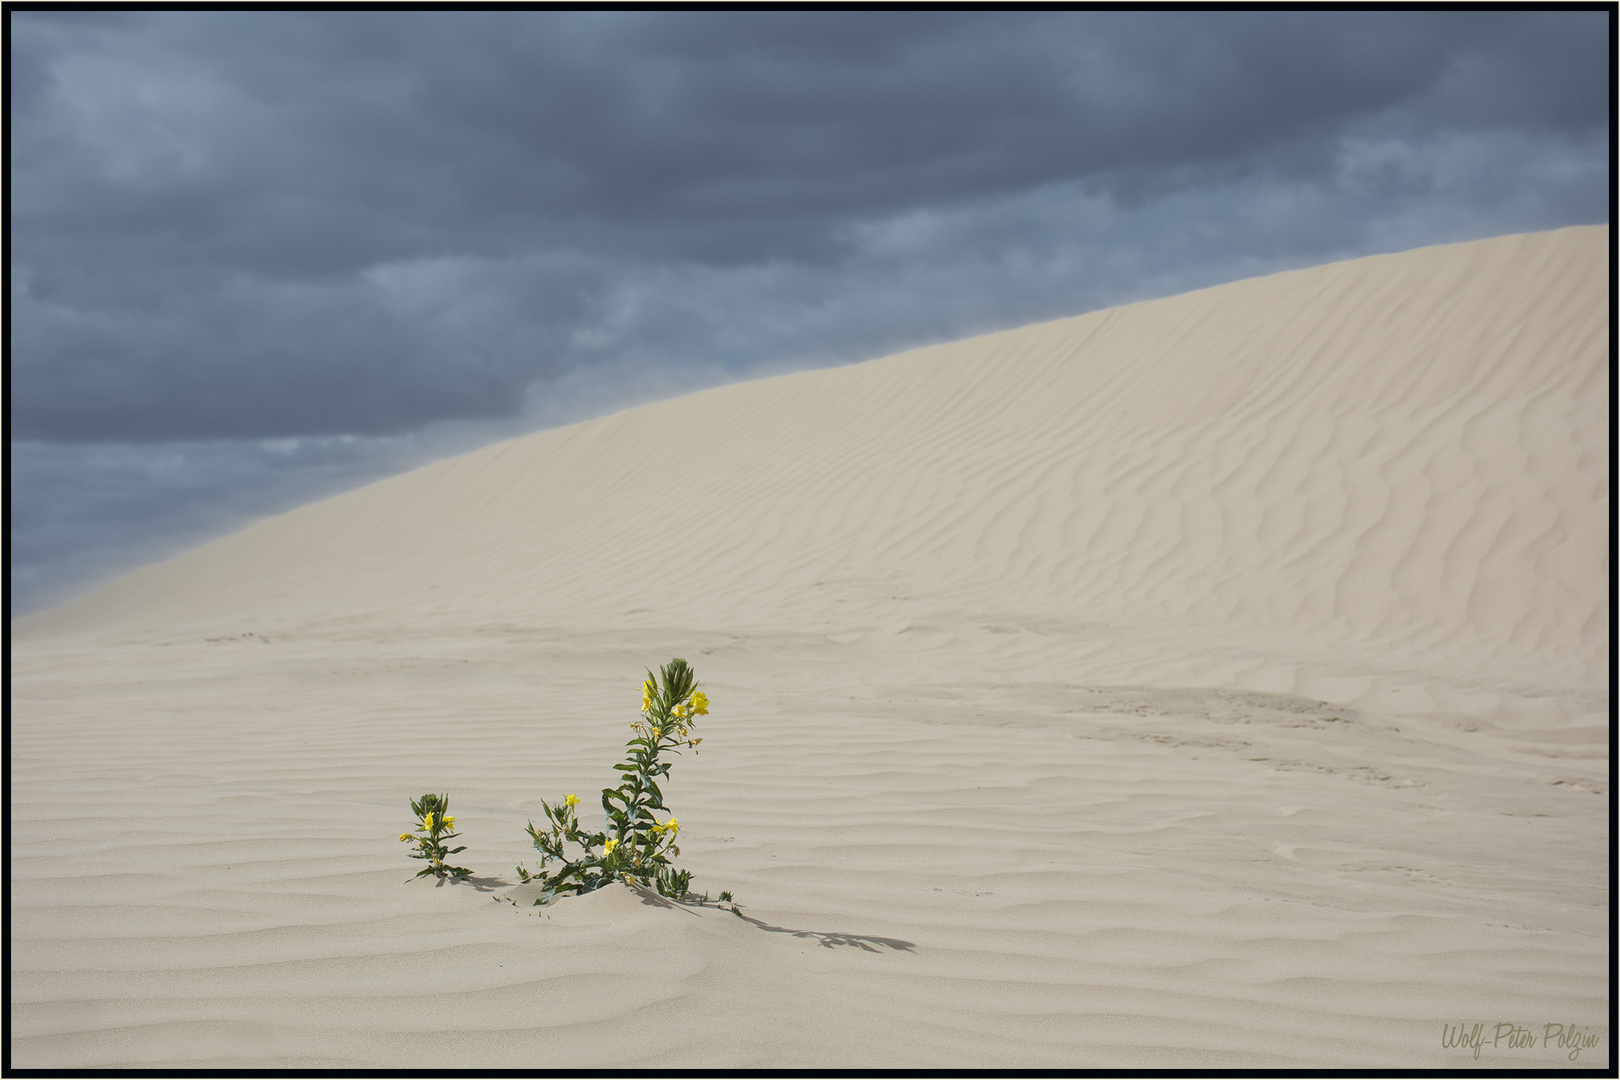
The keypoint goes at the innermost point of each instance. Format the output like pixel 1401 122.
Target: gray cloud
pixel 237 226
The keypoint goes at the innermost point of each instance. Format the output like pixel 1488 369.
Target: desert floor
pixel 1218 681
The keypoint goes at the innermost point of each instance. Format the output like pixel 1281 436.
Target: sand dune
pixel 1214 681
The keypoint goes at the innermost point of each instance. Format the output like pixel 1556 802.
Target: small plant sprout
pixel 434 818
pixel 635 846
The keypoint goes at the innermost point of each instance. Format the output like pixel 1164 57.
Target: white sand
pixel 1215 681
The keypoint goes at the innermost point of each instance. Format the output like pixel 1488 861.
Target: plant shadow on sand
pixel 482 884
pixel 828 939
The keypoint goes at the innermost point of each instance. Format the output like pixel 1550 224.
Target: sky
pixel 262 257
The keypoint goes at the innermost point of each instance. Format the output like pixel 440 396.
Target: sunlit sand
pixel 1218 681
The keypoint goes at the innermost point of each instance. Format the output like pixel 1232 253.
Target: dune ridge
pixel 1405 448
pixel 1213 681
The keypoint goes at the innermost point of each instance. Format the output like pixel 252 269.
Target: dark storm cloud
pixel 280 223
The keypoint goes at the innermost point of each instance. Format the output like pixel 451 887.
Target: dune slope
pixel 1213 681
pixel 1411 448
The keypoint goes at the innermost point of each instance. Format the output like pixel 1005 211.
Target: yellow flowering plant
pixel 635 846
pixel 433 817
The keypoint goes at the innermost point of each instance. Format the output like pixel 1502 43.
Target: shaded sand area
pixel 1213 681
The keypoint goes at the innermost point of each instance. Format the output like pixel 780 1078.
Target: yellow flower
pixel 427 822
pixel 647 692
pixel 572 800
pixel 672 825
pixel 680 710
pixel 405 836
pixel 607 848
pixel 700 704
pixel 449 821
